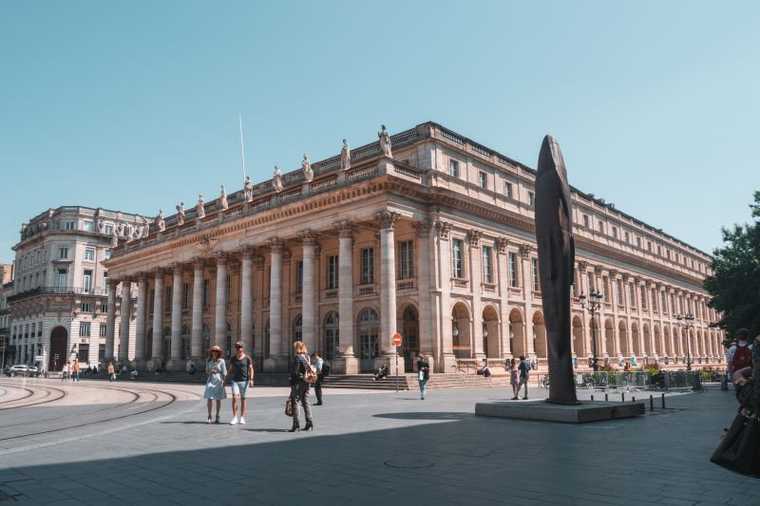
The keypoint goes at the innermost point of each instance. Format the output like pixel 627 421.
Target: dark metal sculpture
pixel 556 259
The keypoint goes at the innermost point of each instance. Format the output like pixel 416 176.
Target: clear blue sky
pixel 133 105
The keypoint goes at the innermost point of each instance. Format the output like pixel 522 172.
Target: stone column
pixel 277 356
pixel 502 263
pixel 308 292
pixel 110 320
pixel 220 309
pixel 612 279
pixel 142 289
pixel 126 306
pixel 175 353
pixel 246 299
pixel 158 313
pixel 445 343
pixel 196 332
pixel 388 318
pixel 476 275
pixel 346 298
pixel 527 283
pixel 423 262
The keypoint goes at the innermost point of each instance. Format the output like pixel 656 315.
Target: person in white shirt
pixel 318 364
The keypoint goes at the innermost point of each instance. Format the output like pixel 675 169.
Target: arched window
pixel 332 341
pixel 297 328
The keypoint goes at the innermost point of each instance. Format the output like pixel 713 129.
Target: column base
pixel 276 363
pixel 176 365
pixel 140 364
pixel 448 363
pixel 346 364
pixel 389 358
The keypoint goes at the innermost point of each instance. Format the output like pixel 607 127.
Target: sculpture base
pixel 562 413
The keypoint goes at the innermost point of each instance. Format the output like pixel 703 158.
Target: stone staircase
pixel 409 381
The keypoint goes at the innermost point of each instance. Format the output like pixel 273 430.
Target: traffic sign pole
pixel 396 341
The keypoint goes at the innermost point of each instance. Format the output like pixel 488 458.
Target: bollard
pixel 651 403
pixel 663 401
pixel 605 397
pixel 622 396
pixel 592 397
pixel 633 399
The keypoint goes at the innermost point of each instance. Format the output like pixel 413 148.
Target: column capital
pixel 247 251
pixel 525 250
pixel 582 265
pixel 199 263
pixel 501 244
pixel 276 245
pixel 308 238
pixel 220 257
pixel 386 218
pixel 442 228
pixel 422 228
pixel 474 236
pixel 258 262
pixel 345 229
pixel 598 269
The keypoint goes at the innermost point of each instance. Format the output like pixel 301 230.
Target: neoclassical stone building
pixel 427 233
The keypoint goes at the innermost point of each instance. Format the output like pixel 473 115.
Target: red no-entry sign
pixel 396 339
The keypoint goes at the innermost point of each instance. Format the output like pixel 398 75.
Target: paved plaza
pixel 127 443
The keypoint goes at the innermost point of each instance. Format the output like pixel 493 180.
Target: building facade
pixel 58 304
pixel 6 285
pixel 427 233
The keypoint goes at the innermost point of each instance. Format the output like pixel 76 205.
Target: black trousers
pixel 318 389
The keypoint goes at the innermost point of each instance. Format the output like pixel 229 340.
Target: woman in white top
pixel 216 370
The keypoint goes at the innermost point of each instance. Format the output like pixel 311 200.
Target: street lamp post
pixel 687 321
pixel 592 304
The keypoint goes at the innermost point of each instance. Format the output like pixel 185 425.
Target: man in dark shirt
pixel 241 374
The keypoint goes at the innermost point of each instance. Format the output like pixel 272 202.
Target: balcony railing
pixel 58 290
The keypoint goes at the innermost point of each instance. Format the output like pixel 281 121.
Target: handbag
pixel 738 451
pixel 289 407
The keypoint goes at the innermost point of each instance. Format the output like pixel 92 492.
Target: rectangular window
pixel 368 266
pixel 87 281
pixel 103 330
pixel 453 168
pixel 590 279
pixel 299 277
pixel 531 199
pixel 586 221
pixel 457 257
pixel 664 303
pixel 84 353
pixel 654 300
pixel 89 254
pixel 534 274
pixel 614 232
pixel 483 179
pixel 632 295
pixel 514 279
pixel 487 264
pixel 185 295
pixel 627 237
pixel 205 292
pixel 60 278
pixel 332 272
pixel 108 229
pixel 406 259
pixel 89 226
pixel 63 253
pixel 101 353
pixel 86 308
pixel 600 226
pixel 620 293
pixel 508 189
pixel 69 225
pixel 606 288
pixel 39 329
pixel 643 297
pixel 638 242
pixel 84 328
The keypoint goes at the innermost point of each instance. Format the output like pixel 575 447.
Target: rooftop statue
pixel 200 207
pixel 308 173
pixel 248 189
pixel 385 141
pixel 345 156
pixel 181 213
pixel 145 227
pixel 160 222
pixel 277 180
pixel 556 260
pixel 223 199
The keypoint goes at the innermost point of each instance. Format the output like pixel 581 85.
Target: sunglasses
pixel 238 347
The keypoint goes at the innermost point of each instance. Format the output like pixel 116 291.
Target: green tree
pixel 735 282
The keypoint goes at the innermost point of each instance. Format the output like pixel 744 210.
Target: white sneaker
pixel 234 420
pixel 242 420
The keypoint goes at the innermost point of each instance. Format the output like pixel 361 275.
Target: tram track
pixel 29 391
pixel 172 398
pixel 49 391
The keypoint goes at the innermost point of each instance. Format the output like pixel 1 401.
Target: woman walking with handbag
pixel 302 376
pixel 216 370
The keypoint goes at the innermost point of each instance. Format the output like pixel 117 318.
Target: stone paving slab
pixel 391 449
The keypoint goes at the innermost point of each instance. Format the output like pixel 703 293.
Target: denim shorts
pixel 239 388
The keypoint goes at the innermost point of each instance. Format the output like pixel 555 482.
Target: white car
pixel 22 370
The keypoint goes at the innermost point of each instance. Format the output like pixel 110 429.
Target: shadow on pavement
pixel 425 415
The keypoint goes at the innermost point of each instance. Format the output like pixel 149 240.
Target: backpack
pixel 742 357
pixel 325 369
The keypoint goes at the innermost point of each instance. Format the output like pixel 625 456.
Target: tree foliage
pixel 735 282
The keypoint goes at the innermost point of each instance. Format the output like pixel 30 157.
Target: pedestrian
pixel 111 372
pixel 216 370
pixel 301 374
pixel 740 353
pixel 381 373
pixel 75 370
pixel 241 372
pixel 65 372
pixel 319 364
pixel 739 449
pixel 514 377
pixel 524 369
pixel 423 374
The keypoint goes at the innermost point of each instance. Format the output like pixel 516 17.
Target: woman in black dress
pixel 740 448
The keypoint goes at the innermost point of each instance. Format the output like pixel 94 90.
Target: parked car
pixel 22 370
